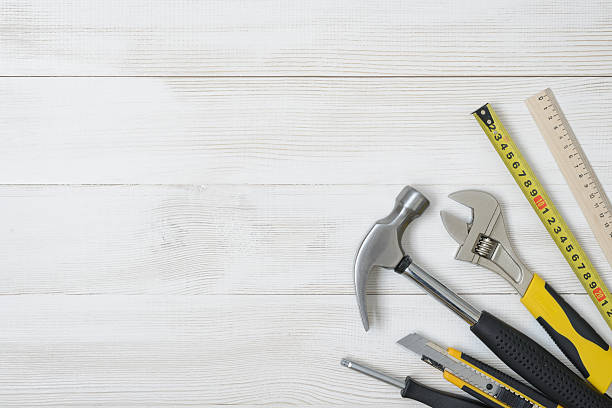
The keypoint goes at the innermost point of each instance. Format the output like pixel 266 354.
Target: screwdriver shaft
pixel 372 373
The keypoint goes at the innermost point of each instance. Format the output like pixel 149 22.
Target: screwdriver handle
pixel 434 398
pixel 536 365
pixel 580 343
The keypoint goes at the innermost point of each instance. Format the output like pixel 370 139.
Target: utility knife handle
pixel 536 365
pixel 580 343
pixel 436 399
pixel 488 400
pixel 512 389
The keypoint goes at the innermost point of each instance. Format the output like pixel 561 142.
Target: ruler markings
pixel 543 206
pixel 575 167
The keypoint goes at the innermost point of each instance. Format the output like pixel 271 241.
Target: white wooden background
pixel 184 185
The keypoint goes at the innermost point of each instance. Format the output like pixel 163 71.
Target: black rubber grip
pixel 479 397
pixel 434 398
pixel 566 346
pixel 536 365
pixel 582 328
pixel 577 321
pixel 506 379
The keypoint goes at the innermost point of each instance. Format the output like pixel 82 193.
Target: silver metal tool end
pixel 455 227
pixel 442 294
pixel 484 240
pixel 382 245
pixel 482 204
pixel 439 358
pixel 418 344
pixel 373 373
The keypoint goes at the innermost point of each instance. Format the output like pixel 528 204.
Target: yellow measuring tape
pixel 543 206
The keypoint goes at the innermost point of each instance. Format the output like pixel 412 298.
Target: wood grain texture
pixel 248 240
pixel 290 131
pixel 274 37
pixel 225 350
pixel 215 164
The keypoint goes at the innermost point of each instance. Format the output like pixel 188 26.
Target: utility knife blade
pixel 439 358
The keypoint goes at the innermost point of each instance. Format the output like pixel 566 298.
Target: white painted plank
pixel 355 131
pixel 272 37
pixel 214 350
pixel 247 240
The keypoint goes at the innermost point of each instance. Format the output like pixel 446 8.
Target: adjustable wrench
pixel 484 242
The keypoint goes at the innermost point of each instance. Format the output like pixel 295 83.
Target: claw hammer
pixel 382 247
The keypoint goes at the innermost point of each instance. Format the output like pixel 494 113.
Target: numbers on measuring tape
pixel 547 213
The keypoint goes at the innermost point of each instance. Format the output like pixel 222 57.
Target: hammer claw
pixel 382 245
pixel 362 270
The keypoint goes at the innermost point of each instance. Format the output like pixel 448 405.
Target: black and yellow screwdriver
pixel 416 391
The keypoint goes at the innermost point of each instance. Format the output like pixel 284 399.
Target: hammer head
pixel 382 245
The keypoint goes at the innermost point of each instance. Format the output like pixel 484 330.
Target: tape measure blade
pixel 553 222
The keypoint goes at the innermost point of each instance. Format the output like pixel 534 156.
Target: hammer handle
pixel 536 365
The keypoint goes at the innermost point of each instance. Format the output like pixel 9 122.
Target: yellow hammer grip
pixel 589 353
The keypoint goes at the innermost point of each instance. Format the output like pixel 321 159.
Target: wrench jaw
pixel 484 208
pixel 486 243
pixel 483 205
pixel 456 228
pixel 459 230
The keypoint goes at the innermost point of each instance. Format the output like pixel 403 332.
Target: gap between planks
pixel 246 240
pixel 280 131
pixel 560 76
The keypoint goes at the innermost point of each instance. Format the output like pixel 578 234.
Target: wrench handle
pixel 536 365
pixel 580 343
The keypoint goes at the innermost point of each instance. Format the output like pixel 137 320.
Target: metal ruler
pixel 545 209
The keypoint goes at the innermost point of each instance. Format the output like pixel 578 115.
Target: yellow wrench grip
pixel 589 353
